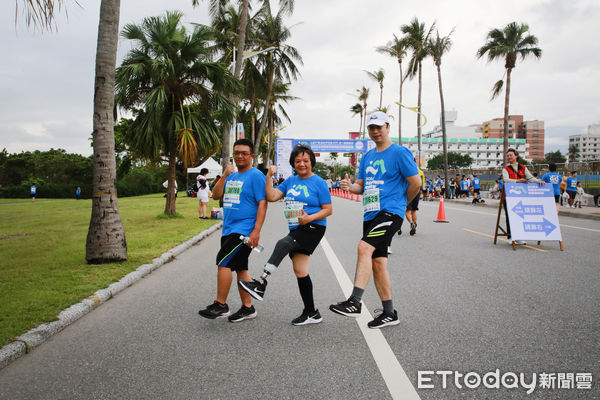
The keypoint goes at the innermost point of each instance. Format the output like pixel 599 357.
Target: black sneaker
pixel 413 228
pixel 255 288
pixel 349 308
pixel 242 314
pixel 399 232
pixel 308 318
pixel 383 320
pixel 215 310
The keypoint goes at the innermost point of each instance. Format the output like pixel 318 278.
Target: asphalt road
pixel 465 305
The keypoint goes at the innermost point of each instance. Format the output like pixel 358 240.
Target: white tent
pixel 214 168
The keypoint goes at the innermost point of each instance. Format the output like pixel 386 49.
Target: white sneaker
pixel 520 242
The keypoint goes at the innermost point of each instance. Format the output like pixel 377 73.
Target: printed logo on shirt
pixel 296 190
pixel 373 169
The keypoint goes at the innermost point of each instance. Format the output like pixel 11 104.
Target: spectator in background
pixel 555 179
pixel 32 192
pixel 78 192
pixel 579 195
pixel 571 188
pixel 202 193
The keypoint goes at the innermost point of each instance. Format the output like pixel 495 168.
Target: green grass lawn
pixel 42 252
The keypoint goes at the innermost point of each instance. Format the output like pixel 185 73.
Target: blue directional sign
pixel 532 212
pixel 522 210
pixel 544 226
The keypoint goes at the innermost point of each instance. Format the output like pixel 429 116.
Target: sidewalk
pixel 586 212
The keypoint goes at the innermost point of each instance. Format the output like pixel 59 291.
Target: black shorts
pixel 476 191
pixel 572 194
pixel 557 198
pixel 233 253
pixel 308 237
pixel 414 204
pixel 379 232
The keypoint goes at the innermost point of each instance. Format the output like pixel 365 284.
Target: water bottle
pixel 258 247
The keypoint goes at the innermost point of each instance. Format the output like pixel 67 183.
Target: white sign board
pixel 532 211
pixel 283 149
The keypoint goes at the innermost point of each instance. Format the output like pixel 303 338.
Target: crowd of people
pixel 391 185
pixel 388 179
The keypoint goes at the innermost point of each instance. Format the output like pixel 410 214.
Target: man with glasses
pixel 244 207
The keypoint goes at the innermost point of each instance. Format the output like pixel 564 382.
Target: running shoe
pixel 255 288
pixel 383 320
pixel 399 232
pixel 389 250
pixel 242 314
pixel 413 228
pixel 313 317
pixel 349 308
pixel 215 310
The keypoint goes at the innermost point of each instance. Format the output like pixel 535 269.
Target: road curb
pixel 24 343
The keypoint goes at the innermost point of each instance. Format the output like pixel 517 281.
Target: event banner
pixel 532 211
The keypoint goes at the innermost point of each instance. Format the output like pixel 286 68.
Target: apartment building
pixel 588 144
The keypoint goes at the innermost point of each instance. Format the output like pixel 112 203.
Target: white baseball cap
pixel 378 118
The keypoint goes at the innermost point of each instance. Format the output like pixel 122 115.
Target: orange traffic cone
pixel 441 217
pixel 352 197
pixel 358 197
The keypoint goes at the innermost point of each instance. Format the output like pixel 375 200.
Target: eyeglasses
pixel 241 153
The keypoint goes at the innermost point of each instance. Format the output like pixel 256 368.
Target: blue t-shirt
pixel 476 183
pixel 384 176
pixel 464 184
pixel 241 195
pixel 571 184
pixel 309 194
pixel 555 179
pixel 33 189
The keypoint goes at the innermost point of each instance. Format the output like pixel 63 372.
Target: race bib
pixel 371 200
pixel 292 210
pixel 232 193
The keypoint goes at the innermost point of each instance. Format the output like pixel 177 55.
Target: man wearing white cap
pixel 388 178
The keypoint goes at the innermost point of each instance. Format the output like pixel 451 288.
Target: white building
pixel 588 144
pixel 452 130
pixel 485 153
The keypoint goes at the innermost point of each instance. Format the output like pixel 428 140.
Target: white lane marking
pixel 496 214
pixel 392 372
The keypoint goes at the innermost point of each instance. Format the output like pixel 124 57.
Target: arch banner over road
pixel 283 149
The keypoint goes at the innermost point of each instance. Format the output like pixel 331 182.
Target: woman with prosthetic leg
pixel 308 204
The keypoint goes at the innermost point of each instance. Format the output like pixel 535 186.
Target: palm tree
pixel 397 49
pixel 437 47
pixel 378 76
pixel 278 64
pixel 363 95
pixel 358 109
pixel 573 153
pixel 171 76
pixel 276 115
pixel 106 238
pixel 416 36
pixel 215 6
pixel 508 43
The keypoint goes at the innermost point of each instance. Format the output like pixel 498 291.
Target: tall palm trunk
pixel 226 134
pixel 170 203
pixel 380 95
pixel 399 106
pixel 271 138
pixel 506 99
pixel 363 132
pixel 419 115
pixel 105 239
pixel 444 138
pixel 265 118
